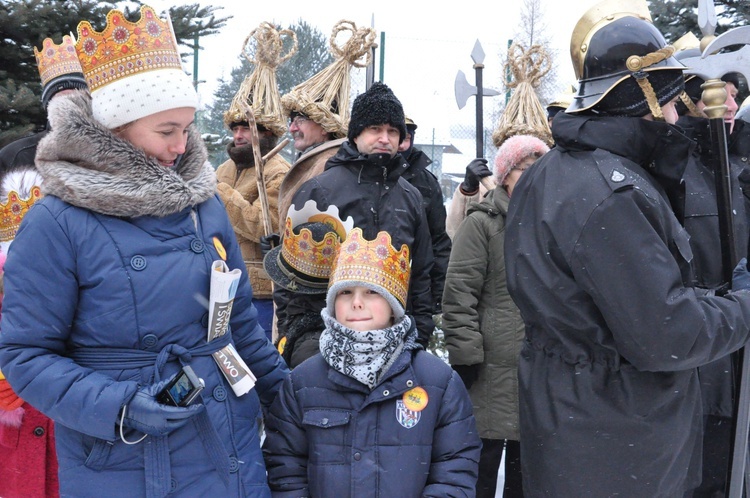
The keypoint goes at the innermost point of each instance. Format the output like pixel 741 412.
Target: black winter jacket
pixel 434 206
pixel 600 269
pixel 702 224
pixel 19 154
pixel 379 199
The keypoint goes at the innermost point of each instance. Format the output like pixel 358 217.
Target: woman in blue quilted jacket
pixel 107 281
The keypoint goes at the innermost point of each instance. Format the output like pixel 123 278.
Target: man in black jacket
pixel 701 220
pixel 427 183
pixel 364 180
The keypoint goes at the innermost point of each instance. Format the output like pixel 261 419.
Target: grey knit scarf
pixel 364 356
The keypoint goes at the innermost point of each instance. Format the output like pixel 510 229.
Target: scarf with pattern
pixel 364 356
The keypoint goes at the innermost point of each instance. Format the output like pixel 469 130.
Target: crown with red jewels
pixel 13 211
pixel 310 258
pixel 374 262
pixel 125 48
pixel 56 60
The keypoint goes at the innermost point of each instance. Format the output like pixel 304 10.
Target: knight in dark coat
pixel 599 266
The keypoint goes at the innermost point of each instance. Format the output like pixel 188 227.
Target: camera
pixel 182 390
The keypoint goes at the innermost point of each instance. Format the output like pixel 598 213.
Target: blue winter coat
pixel 78 282
pixel 328 435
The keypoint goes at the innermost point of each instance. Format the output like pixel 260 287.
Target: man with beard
pixel 238 186
pixel 318 110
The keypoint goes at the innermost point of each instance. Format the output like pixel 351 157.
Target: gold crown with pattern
pixel 57 60
pixel 311 258
pixel 125 48
pixel 13 211
pixel 374 262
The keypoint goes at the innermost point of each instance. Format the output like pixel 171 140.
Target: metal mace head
pixel 712 66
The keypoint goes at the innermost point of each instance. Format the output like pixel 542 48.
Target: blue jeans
pixel 265 314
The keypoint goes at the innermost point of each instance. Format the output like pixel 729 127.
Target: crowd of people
pixel 590 320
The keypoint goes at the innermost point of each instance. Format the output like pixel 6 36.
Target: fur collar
pixel 85 164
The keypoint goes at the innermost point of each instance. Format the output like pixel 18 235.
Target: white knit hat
pixel 127 99
pixel 133 69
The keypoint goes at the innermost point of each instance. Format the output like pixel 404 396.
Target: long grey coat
pixel 481 323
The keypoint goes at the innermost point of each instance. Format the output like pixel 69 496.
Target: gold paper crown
pixel 56 60
pixel 374 262
pixel 125 48
pixel 324 98
pixel 13 211
pixel 311 259
pixel 563 99
pixel 309 212
pixel 259 89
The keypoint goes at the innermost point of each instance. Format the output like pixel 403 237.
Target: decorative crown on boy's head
pixel 374 264
pixel 59 68
pixel 133 70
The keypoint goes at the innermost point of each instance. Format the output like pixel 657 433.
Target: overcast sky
pixel 425 45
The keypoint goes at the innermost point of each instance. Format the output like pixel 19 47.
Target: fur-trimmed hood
pixel 85 164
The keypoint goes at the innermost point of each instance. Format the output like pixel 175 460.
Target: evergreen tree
pixel 674 18
pixel 311 57
pixel 24 24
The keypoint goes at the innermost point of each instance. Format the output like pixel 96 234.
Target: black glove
pixel 475 170
pixel 740 276
pixel 144 414
pixel 268 242
pixel 468 373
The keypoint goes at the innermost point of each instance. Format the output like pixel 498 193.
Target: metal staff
pixel 711 66
pixel 370 70
pixel 464 90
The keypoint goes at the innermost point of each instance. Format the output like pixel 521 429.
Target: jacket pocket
pixel 328 435
pixel 97 457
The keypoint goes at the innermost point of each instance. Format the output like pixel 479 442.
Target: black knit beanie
pixel 376 106
pixel 627 98
pixel 69 81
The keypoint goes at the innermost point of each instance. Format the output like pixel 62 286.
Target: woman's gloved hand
pixel 475 171
pixel 145 414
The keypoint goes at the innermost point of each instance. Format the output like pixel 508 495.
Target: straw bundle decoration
pixel 259 88
pixel 324 98
pixel 524 114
